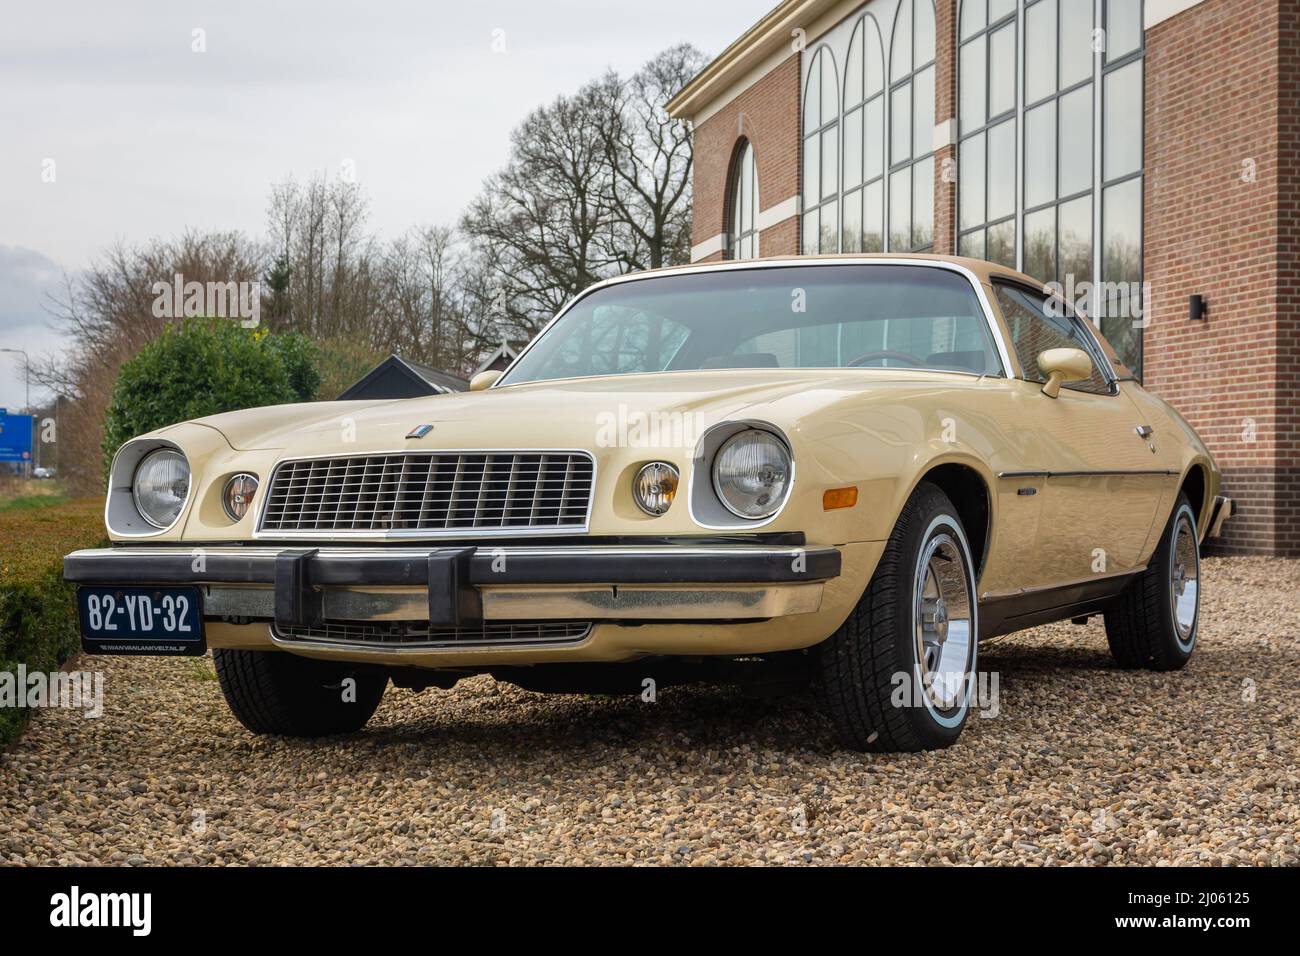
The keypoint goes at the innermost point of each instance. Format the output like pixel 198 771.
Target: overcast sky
pixel 149 138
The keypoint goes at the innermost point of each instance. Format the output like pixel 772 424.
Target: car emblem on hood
pixel 419 431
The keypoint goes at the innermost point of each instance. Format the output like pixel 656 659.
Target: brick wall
pixel 767 114
pixel 1212 227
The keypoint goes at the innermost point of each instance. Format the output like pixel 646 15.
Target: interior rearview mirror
pixel 1062 365
pixel 484 380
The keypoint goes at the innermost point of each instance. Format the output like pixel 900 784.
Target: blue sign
pixel 16 438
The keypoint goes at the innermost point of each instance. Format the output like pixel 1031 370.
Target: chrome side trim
pixel 1100 473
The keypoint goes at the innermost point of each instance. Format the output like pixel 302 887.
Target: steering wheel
pixel 866 357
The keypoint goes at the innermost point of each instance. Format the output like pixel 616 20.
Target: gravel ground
pixel 1083 763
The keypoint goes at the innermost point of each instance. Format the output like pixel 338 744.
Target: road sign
pixel 16 438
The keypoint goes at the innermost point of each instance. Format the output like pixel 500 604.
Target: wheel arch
pixel 968 490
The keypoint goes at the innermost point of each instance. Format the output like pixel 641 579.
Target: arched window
pixel 986 216
pixel 821 153
pixel 742 239
pixel 1075 95
pixel 911 127
pixel 864 141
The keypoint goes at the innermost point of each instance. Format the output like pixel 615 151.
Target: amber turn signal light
pixel 834 498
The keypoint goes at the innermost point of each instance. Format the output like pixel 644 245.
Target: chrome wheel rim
pixel 942 615
pixel 1184 578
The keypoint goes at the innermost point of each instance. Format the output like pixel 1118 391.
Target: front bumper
pixel 466 586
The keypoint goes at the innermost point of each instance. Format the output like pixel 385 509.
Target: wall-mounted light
pixel 1197 309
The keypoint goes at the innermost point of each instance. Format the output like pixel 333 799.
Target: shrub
pixel 204 367
pixel 38 615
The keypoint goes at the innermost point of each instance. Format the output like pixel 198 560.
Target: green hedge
pixel 204 367
pixel 38 616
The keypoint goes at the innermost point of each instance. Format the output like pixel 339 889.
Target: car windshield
pixel 828 316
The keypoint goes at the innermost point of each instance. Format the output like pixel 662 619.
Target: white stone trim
pixel 1158 11
pixel 945 134
pixel 767 218
pixel 706 248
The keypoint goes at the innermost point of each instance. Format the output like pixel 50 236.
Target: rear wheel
pixel 1153 623
pixel 274 692
pixel 899 674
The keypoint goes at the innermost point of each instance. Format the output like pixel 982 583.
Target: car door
pixel 1100 478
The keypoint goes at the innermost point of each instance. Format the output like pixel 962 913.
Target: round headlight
pixel 751 474
pixel 162 482
pixel 654 487
pixel 238 495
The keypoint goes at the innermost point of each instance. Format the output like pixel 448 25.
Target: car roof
pixel 982 269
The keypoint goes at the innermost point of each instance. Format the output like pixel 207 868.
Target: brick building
pixel 1139 154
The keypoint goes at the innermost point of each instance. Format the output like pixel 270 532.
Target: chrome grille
pixel 439 493
pixel 415 634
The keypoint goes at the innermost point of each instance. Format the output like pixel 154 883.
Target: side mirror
pixel 1062 365
pixel 487 379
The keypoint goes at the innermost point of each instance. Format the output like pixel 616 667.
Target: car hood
pixel 668 408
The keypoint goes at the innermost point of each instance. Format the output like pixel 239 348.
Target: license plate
pixel 141 620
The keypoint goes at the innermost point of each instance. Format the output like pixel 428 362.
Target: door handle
pixel 1144 431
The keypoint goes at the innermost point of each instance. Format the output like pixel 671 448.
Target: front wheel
pixel 1153 622
pixel 275 692
pixel 899 674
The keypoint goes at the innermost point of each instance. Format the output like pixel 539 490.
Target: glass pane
pixel 971 245
pixel 973 88
pixel 900 137
pixel 1123 27
pixel 852 239
pixel 923 112
pixel 853 148
pixel 900 51
pixel 1002 70
pixel 1040 155
pixel 810 230
pixel 923 34
pixel 812 100
pixel 874 58
pixel 1075 150
pixel 1001 246
pixel 1040 50
pixel 830 89
pixel 970 176
pixel 1040 245
pixel 853 69
pixel 873 217
pixel 1000 8
pixel 900 210
pixel 972 17
pixel 830 162
pixel 812 164
pixel 873 133
pixel 1121 223
pixel 1002 170
pixel 1075 256
pixel 830 227
pixel 1121 302
pixel 1123 121
pixel 751 189
pixel 923 203
pixel 1076 41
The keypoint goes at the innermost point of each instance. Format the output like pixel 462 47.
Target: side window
pixel 1036 326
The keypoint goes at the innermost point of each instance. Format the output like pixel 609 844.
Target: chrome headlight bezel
pixel 171 454
pixel 771 442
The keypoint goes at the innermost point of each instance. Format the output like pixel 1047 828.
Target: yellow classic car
pixel 837 473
